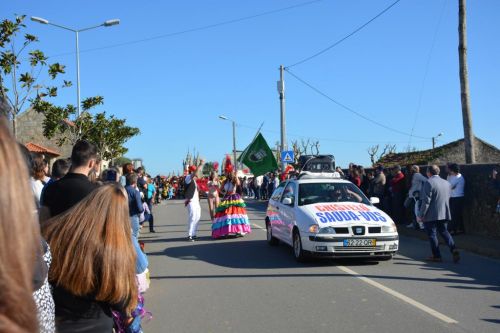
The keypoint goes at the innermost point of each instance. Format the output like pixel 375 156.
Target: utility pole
pixel 470 156
pixel 234 147
pixel 281 91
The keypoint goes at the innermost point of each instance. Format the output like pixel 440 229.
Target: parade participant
pixel 192 202
pixel 435 213
pixel 213 193
pixel 231 216
pixel 99 274
pixel 19 241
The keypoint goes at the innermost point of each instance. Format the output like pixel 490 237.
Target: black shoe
pixel 190 239
pixel 152 231
pixel 195 237
pixel 456 256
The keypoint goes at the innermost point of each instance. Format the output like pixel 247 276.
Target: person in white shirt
pixel 457 183
pixel 192 202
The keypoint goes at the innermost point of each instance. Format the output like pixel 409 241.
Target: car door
pixel 273 211
pixel 287 207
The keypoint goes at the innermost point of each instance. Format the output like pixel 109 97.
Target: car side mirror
pixel 287 201
pixel 374 200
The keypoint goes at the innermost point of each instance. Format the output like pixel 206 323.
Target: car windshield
pixel 310 193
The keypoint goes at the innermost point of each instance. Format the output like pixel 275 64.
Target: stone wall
pixel 485 153
pixel 30 129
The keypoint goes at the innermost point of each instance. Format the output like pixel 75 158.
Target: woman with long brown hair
pixel 19 240
pixel 93 266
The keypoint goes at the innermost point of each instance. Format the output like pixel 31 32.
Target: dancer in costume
pixel 231 216
pixel 213 193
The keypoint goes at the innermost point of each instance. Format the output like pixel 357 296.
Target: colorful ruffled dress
pixel 230 216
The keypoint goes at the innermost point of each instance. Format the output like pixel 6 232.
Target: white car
pixel 321 215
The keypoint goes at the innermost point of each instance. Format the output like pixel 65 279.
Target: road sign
pixel 287 156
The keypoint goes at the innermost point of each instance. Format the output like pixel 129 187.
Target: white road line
pixel 258 226
pixel 400 296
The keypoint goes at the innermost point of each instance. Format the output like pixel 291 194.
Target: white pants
pixel 194 215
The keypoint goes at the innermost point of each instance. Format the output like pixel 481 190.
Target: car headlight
pixel 390 228
pixel 313 228
pixel 327 230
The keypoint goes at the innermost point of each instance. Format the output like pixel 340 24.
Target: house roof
pixel 423 157
pixel 34 148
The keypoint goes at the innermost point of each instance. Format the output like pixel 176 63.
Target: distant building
pixel 30 130
pixel 136 162
pixel 453 152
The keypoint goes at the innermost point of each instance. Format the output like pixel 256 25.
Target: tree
pixel 21 70
pixel 373 152
pixel 108 133
pixel 470 156
pixel 122 160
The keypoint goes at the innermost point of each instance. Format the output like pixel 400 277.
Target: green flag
pixel 259 157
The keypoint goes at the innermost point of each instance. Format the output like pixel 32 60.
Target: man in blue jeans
pixel 134 203
pixel 435 213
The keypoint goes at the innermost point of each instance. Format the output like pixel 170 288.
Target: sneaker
pixel 434 259
pixel 190 239
pixel 421 225
pixel 456 256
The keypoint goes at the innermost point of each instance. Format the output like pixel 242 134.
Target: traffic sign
pixel 287 156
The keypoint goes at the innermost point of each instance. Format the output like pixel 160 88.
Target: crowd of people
pixel 71 260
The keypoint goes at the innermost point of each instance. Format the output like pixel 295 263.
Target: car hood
pixel 334 214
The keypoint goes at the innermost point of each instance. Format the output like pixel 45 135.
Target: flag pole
pixel 243 154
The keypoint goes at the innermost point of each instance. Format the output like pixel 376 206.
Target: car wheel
pixel 269 235
pixel 298 252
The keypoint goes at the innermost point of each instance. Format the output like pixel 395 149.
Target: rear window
pixel 310 193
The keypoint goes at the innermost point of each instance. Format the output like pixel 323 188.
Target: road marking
pixel 400 296
pixel 258 226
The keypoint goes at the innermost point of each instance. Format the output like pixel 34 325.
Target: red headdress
pixel 228 167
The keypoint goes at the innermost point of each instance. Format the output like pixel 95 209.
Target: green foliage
pixel 108 133
pixel 122 160
pixel 20 72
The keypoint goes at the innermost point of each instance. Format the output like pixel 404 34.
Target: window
pixel 310 193
pixel 277 192
pixel 289 192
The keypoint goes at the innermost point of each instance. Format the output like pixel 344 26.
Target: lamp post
pixel 107 23
pixel 434 140
pixel 234 139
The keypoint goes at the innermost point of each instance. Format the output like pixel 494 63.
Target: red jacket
pixel 397 183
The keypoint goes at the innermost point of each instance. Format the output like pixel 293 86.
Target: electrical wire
pixel 426 71
pixel 204 27
pixel 301 136
pixel 351 110
pixel 344 38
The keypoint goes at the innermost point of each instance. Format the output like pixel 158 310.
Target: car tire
pixel 271 240
pixel 298 252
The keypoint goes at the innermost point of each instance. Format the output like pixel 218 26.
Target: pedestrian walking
pixel 192 202
pixel 435 213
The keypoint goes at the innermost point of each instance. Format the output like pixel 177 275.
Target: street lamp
pixel 434 140
pixel 107 23
pixel 234 139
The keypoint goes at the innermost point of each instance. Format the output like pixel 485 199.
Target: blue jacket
pixel 134 201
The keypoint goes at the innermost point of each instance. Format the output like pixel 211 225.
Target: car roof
pixel 320 180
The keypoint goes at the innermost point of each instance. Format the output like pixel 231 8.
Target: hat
pixel 192 168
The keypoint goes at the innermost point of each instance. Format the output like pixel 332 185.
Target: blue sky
pixel 401 70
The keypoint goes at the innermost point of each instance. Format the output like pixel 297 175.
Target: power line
pixel 344 38
pixel 318 138
pixel 426 72
pixel 351 110
pixel 204 27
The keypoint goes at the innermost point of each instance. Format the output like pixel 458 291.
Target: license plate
pixel 359 242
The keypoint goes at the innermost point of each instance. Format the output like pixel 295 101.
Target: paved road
pixel 244 285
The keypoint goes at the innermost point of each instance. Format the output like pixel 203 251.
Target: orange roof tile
pixel 34 148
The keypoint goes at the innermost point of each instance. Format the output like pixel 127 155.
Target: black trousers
pixel 457 220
